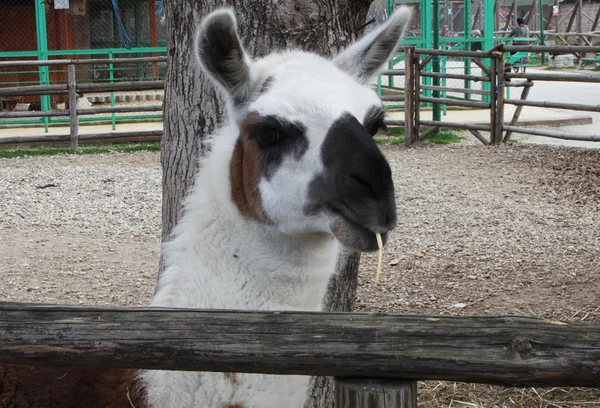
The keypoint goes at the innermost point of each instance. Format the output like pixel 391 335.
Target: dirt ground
pixel 482 231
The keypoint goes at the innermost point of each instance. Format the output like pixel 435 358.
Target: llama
pixel 292 177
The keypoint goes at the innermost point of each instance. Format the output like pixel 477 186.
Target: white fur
pixel 217 258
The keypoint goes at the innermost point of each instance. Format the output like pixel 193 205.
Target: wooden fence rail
pixel 510 350
pixel 496 78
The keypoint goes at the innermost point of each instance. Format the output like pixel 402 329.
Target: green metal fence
pixel 81 29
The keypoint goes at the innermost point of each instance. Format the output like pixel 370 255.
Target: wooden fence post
pixel 409 105
pixel 493 99
pixel 375 393
pixel 499 89
pixel 72 86
pixel 417 95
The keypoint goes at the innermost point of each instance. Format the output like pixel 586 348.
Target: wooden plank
pixel 493 101
pixel 73 121
pixel 426 61
pixel 457 102
pixel 452 53
pixel 479 136
pixel 555 105
pixel 567 77
pixel 499 92
pixel 427 132
pixel 372 393
pixel 122 86
pixel 455 76
pixel 510 350
pixel 116 61
pixel 481 65
pixel 554 49
pixel 553 134
pixel 139 135
pixel 33 90
pixel 456 125
pixel 417 95
pixel 458 90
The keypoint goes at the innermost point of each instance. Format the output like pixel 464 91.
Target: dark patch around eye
pixel 291 140
pixel 374 120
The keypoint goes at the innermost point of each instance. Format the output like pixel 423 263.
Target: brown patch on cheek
pixel 244 173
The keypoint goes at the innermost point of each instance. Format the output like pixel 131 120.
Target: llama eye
pixel 268 137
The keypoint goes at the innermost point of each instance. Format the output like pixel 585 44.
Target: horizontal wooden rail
pixel 34 114
pixel 456 102
pixel 455 125
pixel 395 122
pixel 515 351
pixel 455 90
pixel 393 72
pixel 453 53
pixel 454 76
pixel 115 61
pixel 142 135
pixel 556 49
pixel 122 86
pixel 392 98
pixel 62 89
pixel 89 111
pixel 34 90
pixel 553 134
pixel 555 105
pixel 567 77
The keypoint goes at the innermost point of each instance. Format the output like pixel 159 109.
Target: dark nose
pixel 360 176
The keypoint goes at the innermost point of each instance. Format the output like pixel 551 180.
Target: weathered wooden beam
pixel 34 90
pixel 453 53
pixel 479 136
pixel 455 125
pixel 567 77
pixel 122 86
pixel 409 104
pixel 73 121
pixel 554 49
pixel 115 61
pixel 458 90
pixel 455 76
pixel 510 350
pixel 427 132
pixel 555 105
pixel 138 135
pixel 457 102
pixel 553 134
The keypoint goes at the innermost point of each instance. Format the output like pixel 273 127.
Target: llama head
pixel 305 160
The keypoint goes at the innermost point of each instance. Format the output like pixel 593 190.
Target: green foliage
pixel 394 136
pixel 444 138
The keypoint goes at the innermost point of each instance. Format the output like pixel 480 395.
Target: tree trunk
pixel 192 108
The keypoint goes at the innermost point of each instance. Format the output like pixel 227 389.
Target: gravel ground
pixel 487 231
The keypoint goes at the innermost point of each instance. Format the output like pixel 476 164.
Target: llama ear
pixel 222 56
pixel 363 59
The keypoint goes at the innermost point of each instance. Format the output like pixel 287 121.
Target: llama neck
pixel 219 259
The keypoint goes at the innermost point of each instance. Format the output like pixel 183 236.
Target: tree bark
pixel 192 108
